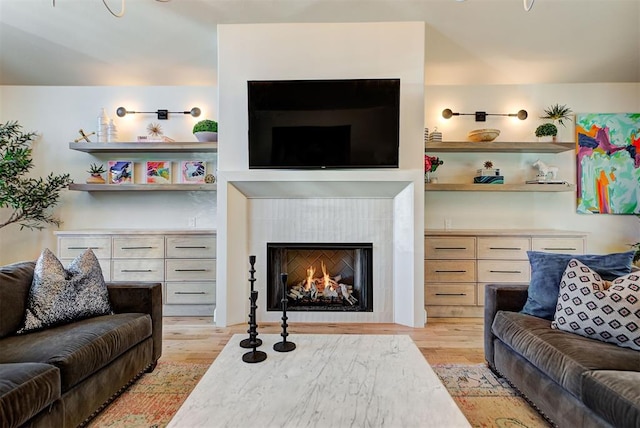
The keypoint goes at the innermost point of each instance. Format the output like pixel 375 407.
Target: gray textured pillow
pixel 60 296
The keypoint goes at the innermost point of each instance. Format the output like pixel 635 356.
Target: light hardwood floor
pixel 441 341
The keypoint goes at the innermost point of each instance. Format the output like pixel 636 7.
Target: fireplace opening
pixel 320 276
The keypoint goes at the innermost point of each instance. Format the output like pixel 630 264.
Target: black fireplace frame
pixel 274 283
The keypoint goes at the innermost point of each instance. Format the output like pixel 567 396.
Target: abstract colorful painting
pixel 158 172
pixel 193 171
pixel 608 163
pixel 120 172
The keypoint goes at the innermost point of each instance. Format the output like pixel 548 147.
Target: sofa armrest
pixel 141 297
pixel 500 297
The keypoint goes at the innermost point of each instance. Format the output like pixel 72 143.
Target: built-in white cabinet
pixel 184 262
pixel 459 264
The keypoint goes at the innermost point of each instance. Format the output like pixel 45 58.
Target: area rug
pixel 485 400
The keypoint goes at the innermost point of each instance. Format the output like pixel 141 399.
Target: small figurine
pixel 83 136
pixel 545 170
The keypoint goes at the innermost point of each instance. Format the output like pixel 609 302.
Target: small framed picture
pixel 193 171
pixel 158 172
pixel 120 172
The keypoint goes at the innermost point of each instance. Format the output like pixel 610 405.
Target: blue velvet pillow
pixel 547 270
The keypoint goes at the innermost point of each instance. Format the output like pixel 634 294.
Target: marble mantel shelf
pixel 320 184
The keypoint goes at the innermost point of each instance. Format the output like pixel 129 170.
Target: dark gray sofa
pixel 61 376
pixel 573 380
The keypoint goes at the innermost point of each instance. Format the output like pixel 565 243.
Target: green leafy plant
pixel 546 129
pixel 206 125
pixel 27 199
pixel 96 169
pixel 557 112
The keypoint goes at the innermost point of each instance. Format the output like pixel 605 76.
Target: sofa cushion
pixel 81 348
pixel 25 390
pixel 560 355
pixel 59 295
pixel 614 396
pixel 593 308
pixel 547 270
pixel 15 281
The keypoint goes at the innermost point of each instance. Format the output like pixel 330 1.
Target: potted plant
pixel 206 130
pixel 96 172
pixel 547 130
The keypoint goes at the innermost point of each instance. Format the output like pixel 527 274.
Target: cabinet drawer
pixel 190 270
pixel 72 246
pixel 503 248
pixel 105 267
pixel 450 270
pixel 191 247
pixel 503 271
pixel 139 247
pixel 191 293
pixel 559 245
pixel 151 270
pixel 450 294
pixel 449 247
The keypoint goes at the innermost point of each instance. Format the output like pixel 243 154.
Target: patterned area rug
pixel 484 399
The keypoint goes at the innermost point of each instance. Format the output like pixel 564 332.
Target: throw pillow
pixel 594 308
pixel 547 270
pixel 60 296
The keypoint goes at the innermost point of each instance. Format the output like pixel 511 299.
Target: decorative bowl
pixel 480 135
pixel 206 136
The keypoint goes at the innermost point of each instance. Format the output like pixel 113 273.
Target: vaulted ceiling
pixel 78 42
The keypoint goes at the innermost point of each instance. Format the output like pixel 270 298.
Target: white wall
pixel 487 210
pixel 57 113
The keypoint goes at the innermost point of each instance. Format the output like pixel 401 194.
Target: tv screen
pixel 313 124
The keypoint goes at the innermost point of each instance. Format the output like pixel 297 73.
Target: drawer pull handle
pixel 559 249
pixel 136 270
pixel 451 248
pixel 190 292
pixel 201 247
pixel 505 248
pixel 451 294
pixel 505 271
pixel 137 248
pixel 450 271
pixel 190 270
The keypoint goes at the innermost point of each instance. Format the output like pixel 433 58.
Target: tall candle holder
pixel 284 346
pixel 253 356
pixel 253 326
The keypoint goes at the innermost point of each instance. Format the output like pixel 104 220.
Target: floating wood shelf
pixel 142 187
pixel 145 147
pixel 435 187
pixel 498 147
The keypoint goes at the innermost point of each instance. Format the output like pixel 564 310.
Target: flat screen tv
pixel 317 124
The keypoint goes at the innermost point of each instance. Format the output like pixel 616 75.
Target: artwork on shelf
pixel 193 171
pixel 608 163
pixel 158 172
pixel 120 171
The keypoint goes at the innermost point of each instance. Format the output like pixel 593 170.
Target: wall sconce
pixel 162 114
pixel 481 116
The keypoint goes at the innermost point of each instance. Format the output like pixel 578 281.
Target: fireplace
pixel 320 276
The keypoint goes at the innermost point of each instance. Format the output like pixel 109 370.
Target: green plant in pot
pixel 547 130
pixel 206 130
pixel 96 172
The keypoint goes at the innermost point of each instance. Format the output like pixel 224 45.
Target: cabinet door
pixel 443 248
pixel 450 294
pixel 513 248
pixel 70 247
pixel 151 270
pixel 504 271
pixel 450 270
pixel 138 247
pixel 191 247
pixel 564 245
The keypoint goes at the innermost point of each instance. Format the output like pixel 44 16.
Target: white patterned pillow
pixel 598 309
pixel 60 296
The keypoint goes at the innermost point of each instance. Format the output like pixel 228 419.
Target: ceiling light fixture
pixel 481 116
pixel 162 114
pixel 122 4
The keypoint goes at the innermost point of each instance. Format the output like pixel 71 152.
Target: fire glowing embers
pixel 316 289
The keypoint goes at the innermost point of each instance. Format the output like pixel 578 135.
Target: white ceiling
pixel 476 42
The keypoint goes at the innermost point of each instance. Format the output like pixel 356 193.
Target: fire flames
pixel 326 287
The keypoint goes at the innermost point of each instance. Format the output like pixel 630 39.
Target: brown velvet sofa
pixel 61 376
pixel 573 380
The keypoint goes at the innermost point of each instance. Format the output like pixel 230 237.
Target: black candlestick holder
pixel 284 346
pixel 253 326
pixel 253 356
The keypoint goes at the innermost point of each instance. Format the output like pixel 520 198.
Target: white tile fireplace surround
pixel 294 207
